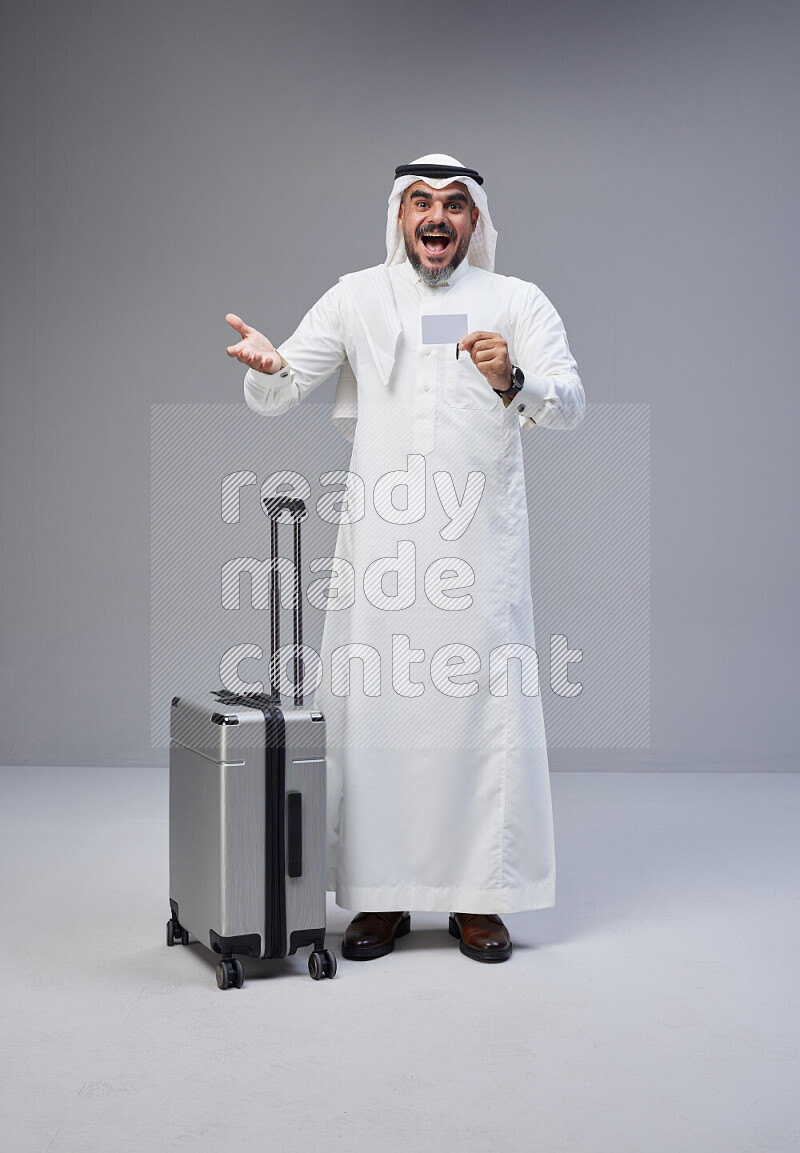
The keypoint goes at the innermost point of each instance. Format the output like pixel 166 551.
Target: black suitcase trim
pixel 275 921
pixel 301 937
pixel 246 944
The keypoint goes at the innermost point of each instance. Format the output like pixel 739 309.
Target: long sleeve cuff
pixel 270 393
pixel 534 392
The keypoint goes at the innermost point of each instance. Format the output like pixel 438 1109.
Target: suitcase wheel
pixel 230 974
pixel 321 963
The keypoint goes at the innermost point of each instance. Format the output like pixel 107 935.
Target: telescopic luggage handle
pixel 296 512
pixel 276 506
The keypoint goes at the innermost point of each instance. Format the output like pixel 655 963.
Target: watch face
pixel 518 377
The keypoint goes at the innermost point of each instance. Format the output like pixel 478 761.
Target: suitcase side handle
pixel 294 833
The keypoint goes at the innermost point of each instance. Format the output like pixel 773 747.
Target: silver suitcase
pixel 247 814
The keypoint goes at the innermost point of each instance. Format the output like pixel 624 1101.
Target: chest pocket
pixel 465 387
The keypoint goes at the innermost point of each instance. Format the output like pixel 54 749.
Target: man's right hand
pixel 253 349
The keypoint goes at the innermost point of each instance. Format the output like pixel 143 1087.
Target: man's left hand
pixel 489 353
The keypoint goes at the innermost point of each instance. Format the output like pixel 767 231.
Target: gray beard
pixel 435 276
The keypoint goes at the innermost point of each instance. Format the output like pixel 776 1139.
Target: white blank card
pixel 446 329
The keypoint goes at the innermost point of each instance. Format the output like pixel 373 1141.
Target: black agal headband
pixel 437 171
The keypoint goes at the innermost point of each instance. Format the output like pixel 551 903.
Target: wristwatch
pixel 517 381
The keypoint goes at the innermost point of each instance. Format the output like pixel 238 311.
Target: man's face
pixel 437 228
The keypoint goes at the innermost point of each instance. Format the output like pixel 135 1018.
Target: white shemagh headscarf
pixel 484 240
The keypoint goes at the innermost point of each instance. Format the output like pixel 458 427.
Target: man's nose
pixel 437 211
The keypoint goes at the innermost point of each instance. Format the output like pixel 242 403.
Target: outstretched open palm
pixel 253 349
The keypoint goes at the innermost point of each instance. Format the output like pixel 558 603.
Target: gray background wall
pixel 166 163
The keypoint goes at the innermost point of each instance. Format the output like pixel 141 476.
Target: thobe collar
pixel 455 276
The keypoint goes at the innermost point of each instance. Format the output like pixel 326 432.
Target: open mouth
pixel 435 245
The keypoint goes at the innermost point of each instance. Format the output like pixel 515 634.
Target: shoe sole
pixel 370 952
pixel 489 957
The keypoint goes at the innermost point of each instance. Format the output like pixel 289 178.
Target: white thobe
pixel 438 782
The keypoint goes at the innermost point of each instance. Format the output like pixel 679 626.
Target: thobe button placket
pixel 427 372
pixel 425 404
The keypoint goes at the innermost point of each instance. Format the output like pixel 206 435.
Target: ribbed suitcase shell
pixel 229 825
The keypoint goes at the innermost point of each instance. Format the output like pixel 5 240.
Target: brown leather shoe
pixel 483 936
pixel 372 935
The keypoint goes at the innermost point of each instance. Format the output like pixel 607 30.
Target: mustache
pixel 436 230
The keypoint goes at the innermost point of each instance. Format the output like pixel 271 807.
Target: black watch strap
pixel 517 381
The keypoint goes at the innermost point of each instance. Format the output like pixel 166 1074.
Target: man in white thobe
pixel 438 783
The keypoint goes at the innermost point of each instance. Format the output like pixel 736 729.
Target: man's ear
pixel 475 214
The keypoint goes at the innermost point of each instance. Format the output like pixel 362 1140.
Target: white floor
pixel 654 1010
